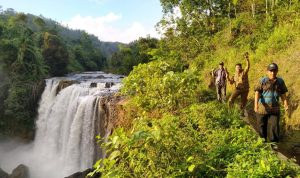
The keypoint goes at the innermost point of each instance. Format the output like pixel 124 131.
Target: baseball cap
pixel 272 66
pixel 221 63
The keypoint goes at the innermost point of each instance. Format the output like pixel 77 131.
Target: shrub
pixel 207 140
pixel 165 88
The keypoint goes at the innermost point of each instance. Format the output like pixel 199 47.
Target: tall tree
pixel 55 54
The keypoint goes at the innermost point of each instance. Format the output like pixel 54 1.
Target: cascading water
pixel 67 124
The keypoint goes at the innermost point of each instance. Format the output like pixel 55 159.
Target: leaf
pixel 114 155
pixel 190 159
pixel 156 133
pixel 235 2
pixel 115 139
pixel 97 164
pixel 262 163
pixel 191 168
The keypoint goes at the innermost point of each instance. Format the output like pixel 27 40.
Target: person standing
pixel 266 105
pixel 240 79
pixel 220 76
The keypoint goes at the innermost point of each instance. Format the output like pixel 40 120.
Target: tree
pixel 55 54
pixel 137 52
pixel 40 23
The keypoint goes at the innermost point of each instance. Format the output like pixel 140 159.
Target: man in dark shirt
pixel 266 104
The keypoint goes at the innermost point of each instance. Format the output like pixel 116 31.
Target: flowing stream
pixel 66 127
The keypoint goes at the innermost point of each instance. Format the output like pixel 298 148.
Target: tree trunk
pixel 266 7
pixel 253 8
pixel 210 15
pixel 235 11
pixel 272 5
pixel 229 17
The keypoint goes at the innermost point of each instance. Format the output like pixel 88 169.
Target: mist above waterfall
pixel 68 119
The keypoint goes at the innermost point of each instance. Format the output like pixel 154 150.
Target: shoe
pixel 274 147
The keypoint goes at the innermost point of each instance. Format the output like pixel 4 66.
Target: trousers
pixel 236 93
pixel 268 126
pixel 221 92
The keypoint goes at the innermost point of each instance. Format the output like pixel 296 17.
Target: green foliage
pixel 17 105
pixel 279 40
pixel 166 88
pixel 193 144
pixel 23 67
pixel 158 139
pixel 55 54
pixel 131 55
pixel 89 58
pixel 260 164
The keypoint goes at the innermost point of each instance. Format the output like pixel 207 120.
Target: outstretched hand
pixel 246 55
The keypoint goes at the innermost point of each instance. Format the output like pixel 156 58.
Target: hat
pixel 221 63
pixel 272 66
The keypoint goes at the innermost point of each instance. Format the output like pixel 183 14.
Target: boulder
pixel 93 85
pixel 100 77
pixel 20 172
pixel 3 174
pixel 83 174
pixel 109 84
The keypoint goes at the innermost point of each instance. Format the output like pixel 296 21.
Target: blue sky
pixel 110 20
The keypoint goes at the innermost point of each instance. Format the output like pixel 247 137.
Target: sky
pixel 109 20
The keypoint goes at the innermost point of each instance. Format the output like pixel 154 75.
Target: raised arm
pixel 246 55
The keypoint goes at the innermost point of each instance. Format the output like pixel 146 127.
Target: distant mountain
pixel 69 35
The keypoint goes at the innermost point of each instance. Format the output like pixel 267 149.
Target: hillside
pixel 174 127
pixel 69 35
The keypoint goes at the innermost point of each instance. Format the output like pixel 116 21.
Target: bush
pixel 176 145
pixel 264 163
pixel 278 40
pixel 207 140
pixel 165 88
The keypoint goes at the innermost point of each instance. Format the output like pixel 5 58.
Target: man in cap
pixel 266 104
pixel 220 76
pixel 240 79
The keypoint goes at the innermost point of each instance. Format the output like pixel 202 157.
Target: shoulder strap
pixel 264 80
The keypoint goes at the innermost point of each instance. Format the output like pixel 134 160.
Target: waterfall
pixel 67 124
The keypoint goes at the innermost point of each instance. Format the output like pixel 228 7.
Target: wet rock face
pixel 3 174
pixel 64 84
pixel 106 116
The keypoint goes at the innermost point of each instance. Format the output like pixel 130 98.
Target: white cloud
pixel 103 28
pixel 98 1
